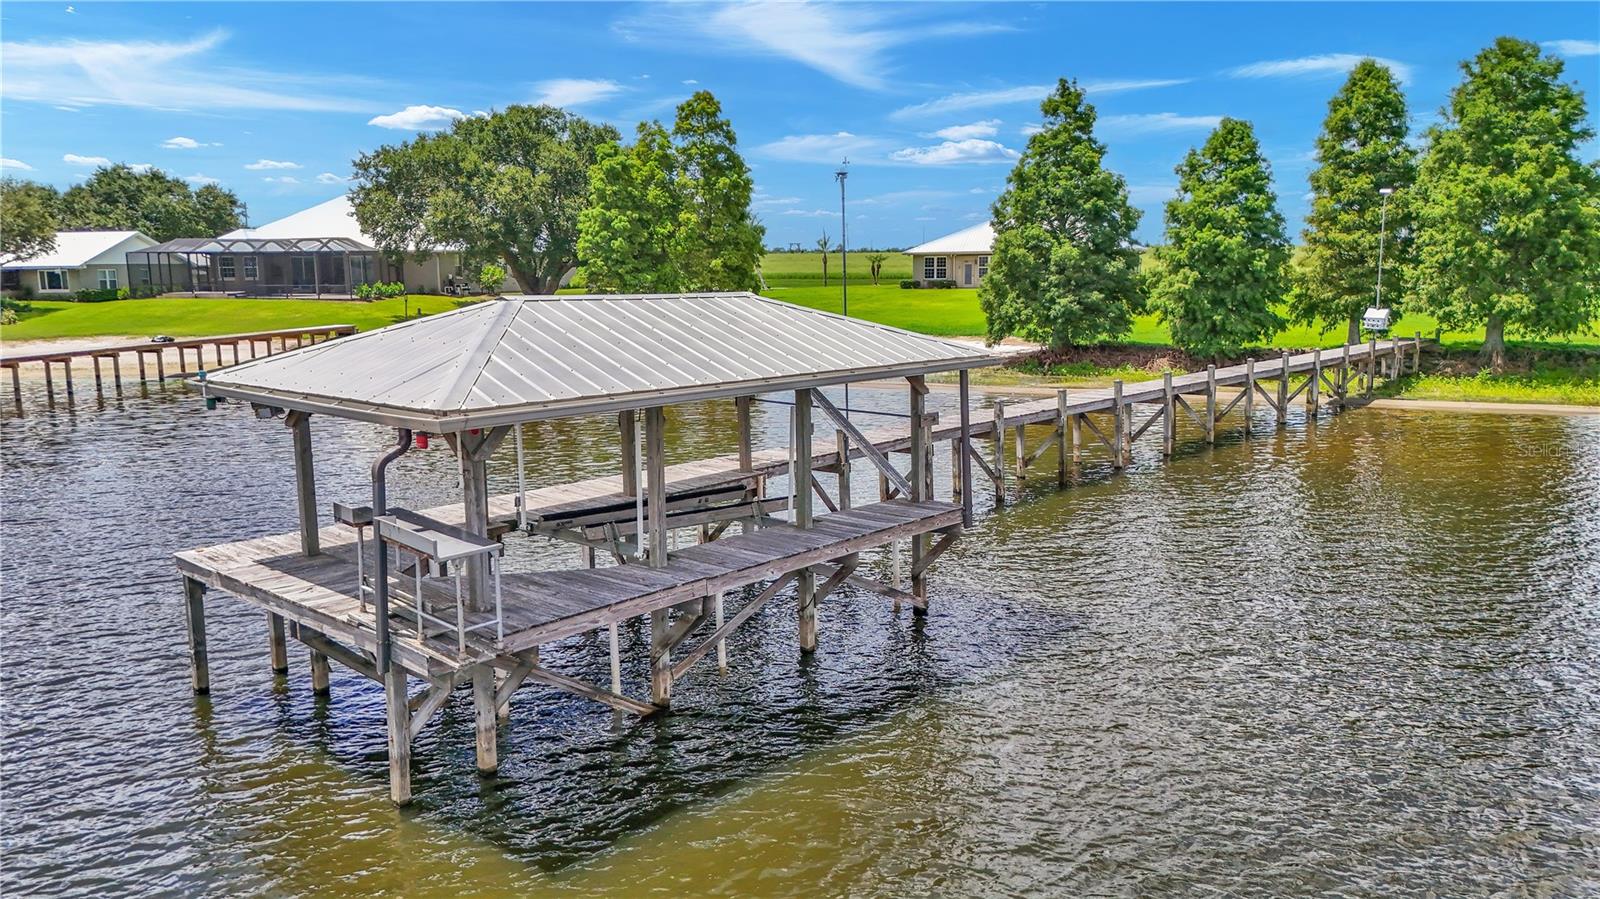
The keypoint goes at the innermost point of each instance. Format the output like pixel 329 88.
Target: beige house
pixel 82 260
pixel 962 257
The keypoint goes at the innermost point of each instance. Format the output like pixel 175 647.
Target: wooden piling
pixel 278 648
pixel 1416 353
pixel 16 384
pixel 49 383
pixel 999 435
pixel 485 718
pixel 99 386
pixel 319 673
pixel 1314 389
pixel 1372 364
pixel 398 717
pixel 1283 390
pixel 1020 451
pixel 1249 392
pixel 194 593
pixel 1063 437
pixel 803 505
pixel 140 356
pixel 918 479
pixel 841 442
pixel 1211 404
pixel 1119 424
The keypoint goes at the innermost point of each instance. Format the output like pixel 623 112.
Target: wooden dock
pixel 256 343
pixel 448 624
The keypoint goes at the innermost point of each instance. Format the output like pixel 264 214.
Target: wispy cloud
pixel 75 159
pixel 418 118
pixel 281 179
pixel 173 75
pixel 957 152
pixel 813 213
pixel 200 180
pixel 851 43
pixel 824 148
pixel 7 162
pixel 261 165
pixel 1319 66
pixel 1157 122
pixel 1026 93
pixel 1572 48
pixel 985 128
pixel 331 178
pixel 185 143
pixel 575 91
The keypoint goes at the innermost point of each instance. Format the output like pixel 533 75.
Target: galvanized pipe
pixel 380 506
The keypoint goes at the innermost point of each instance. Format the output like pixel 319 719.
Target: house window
pixel 250 268
pixel 108 279
pixel 225 268
pixel 983 266
pixel 52 279
pixel 935 268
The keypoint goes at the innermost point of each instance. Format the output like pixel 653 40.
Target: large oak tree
pixel 508 187
pixel 28 222
pixel 119 197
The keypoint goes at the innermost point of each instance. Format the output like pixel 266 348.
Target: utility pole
pixel 1383 230
pixel 844 261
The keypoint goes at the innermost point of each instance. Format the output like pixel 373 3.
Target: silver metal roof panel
pixel 525 358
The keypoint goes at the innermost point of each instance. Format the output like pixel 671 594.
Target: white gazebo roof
pixel 526 358
pixel 977 239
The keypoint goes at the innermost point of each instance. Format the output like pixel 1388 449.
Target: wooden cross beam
pixel 884 466
pixel 731 625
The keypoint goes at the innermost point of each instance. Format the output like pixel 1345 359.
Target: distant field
pixel 199 317
pixel 947 313
pixel 805 269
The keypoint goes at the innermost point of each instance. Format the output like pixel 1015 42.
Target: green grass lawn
pixel 805 269
pixel 948 313
pixel 186 317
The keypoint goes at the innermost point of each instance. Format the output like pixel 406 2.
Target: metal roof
pixel 976 239
pixel 260 245
pixel 525 358
pixel 77 249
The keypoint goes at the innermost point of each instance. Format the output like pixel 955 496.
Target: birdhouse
pixel 1375 319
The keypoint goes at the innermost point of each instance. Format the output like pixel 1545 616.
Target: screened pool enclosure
pixel 306 266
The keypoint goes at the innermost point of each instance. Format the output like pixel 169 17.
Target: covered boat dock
pixel 419 596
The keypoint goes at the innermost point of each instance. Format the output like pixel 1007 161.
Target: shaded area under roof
pixel 260 245
pixel 529 358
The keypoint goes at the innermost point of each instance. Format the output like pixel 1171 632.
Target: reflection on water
pixel 1354 656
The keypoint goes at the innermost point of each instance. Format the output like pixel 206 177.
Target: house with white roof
pixel 82 260
pixel 962 257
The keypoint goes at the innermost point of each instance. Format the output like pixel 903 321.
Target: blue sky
pixel 930 102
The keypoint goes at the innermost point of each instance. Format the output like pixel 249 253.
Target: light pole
pixel 1383 230
pixel 844 243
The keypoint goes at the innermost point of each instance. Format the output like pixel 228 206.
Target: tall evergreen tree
pixel 1362 150
pixel 628 236
pixel 672 212
pixel 1063 269
pixel 1508 218
pixel 722 244
pixel 1223 267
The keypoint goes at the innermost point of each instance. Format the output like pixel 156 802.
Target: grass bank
pixel 186 317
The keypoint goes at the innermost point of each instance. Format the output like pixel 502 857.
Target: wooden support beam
pixel 723 631
pixel 1283 390
pixel 1314 392
pixel 741 407
pixel 627 429
pixel 398 719
pixel 1020 452
pixel 660 661
pixel 1372 364
pixel 577 687
pixel 807 579
pixel 997 472
pixel 885 468
pixel 655 452
pixel 841 442
pixel 1249 393
pixel 1169 419
pixel 328 648
pixel 1063 437
pixel 485 718
pixel 920 481
pixel 822 493
pixel 1120 414
pixel 194 597
pixel 319 673
pixel 945 542
pixel 305 480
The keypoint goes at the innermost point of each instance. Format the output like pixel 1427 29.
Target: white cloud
pixel 330 178
pixel 185 143
pixel 262 165
pixel 1316 67
pixel 7 162
pixel 140 168
pixel 418 118
pixel 812 213
pixel 168 75
pixel 823 148
pixel 690 81
pixel 575 91
pixel 846 42
pixel 1027 93
pixel 1157 122
pixel 985 128
pixel 1030 129
pixel 75 159
pixel 201 180
pixel 281 179
pixel 956 152
pixel 1572 48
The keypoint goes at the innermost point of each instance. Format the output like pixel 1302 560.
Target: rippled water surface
pixel 1360 656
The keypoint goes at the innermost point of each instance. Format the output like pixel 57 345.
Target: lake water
pixel 1357 656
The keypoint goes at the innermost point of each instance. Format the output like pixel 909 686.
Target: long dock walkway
pixel 155 353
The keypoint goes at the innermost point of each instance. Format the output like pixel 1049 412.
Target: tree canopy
pixel 671 212
pixel 1063 269
pixel 1222 270
pixel 1508 218
pixel 1362 149
pixel 28 222
pixel 119 197
pixel 508 187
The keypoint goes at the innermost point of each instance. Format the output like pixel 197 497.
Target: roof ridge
pixel 470 369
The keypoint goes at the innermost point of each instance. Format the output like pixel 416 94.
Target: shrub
pixel 144 291
pixel 490 277
pixel 100 295
pixel 379 290
pixel 945 284
pixel 908 284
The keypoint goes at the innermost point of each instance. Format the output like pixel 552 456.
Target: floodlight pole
pixel 844 261
pixel 1383 231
